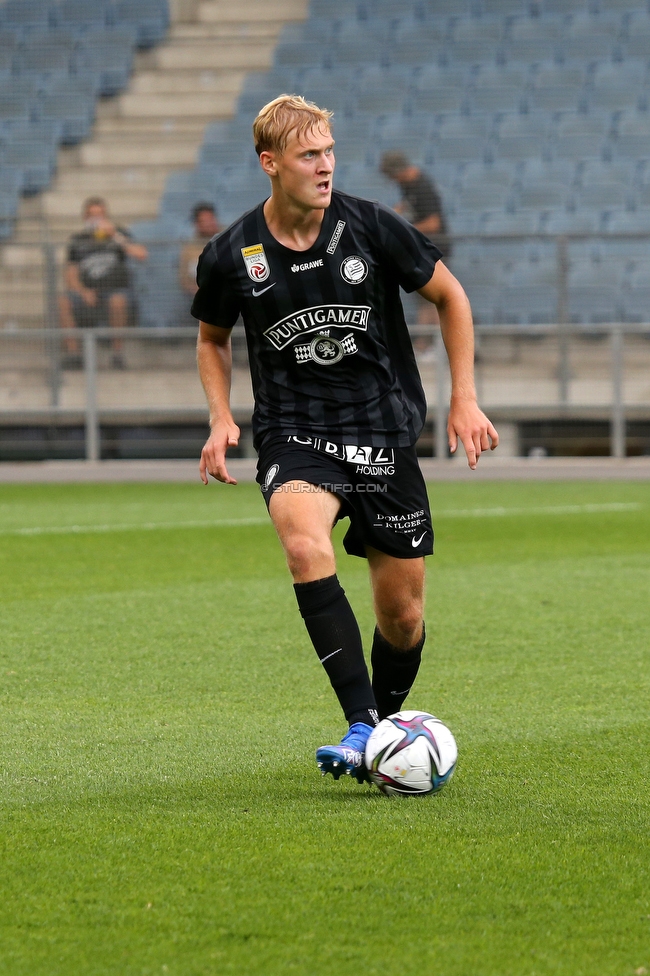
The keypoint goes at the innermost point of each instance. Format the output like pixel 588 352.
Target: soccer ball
pixel 411 754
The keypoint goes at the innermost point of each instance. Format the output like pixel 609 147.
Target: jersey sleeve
pixel 408 254
pixel 215 302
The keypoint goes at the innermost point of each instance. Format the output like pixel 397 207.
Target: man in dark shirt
pixel 421 206
pixel 315 275
pixel 97 278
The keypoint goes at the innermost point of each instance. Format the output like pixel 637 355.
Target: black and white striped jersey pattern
pixel 330 353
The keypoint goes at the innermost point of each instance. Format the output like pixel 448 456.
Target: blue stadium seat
pixel 16 108
pixel 80 14
pixel 149 17
pixel 487 28
pixel 74 110
pixel 37 160
pixel 108 54
pixel 633 135
pixel 483 197
pixel 162 303
pixel 461 138
pixel 629 222
pixel 164 230
pixel 520 136
pixel 638 34
pixel 558 88
pixel 499 222
pixel 26 14
pixel 23 86
pixel 581 134
pixel 8 211
pixel 45 59
pixel 571 222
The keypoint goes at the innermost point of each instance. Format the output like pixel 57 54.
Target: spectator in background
pixel 421 206
pixel 206 225
pixel 97 279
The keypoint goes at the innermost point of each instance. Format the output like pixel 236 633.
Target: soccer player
pixel 315 275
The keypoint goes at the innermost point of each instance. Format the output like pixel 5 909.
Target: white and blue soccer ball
pixel 411 754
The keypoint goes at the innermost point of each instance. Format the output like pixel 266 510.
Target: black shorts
pixel 381 488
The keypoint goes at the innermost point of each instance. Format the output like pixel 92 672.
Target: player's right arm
pixel 214 358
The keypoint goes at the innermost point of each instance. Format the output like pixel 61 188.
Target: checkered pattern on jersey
pixel 329 349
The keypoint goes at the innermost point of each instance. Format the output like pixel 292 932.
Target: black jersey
pixel 102 261
pixel 329 350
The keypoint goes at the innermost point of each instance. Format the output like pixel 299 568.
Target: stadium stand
pixel 56 60
pixel 531 115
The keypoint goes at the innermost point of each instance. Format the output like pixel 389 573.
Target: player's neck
pixel 293 226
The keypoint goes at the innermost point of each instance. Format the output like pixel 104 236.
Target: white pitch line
pixel 264 520
pixel 129 527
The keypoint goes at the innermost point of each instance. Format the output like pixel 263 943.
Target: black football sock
pixel 335 634
pixel 393 672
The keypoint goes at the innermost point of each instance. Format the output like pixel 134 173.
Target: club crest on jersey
pixel 326 350
pixel 256 263
pixel 354 269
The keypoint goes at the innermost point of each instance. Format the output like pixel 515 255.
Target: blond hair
pixel 284 115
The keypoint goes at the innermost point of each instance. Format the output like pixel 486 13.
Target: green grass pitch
pixel 160 706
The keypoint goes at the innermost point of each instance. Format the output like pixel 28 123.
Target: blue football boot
pixel 347 758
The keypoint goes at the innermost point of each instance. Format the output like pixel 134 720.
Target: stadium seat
pixel 571 222
pixel 108 54
pixel 45 59
pixel 581 134
pixel 543 196
pixel 461 138
pixel 26 14
pixel 36 159
pixel 500 222
pixel 557 88
pixel 149 17
pixel 80 14
pixel 516 134
pixel 16 108
pixel 629 222
pixel 8 211
pixel 74 110
pixel 633 135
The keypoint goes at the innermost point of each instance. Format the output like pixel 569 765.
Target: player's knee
pixel 305 554
pixel 401 622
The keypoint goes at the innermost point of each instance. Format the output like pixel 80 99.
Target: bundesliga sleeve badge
pixel 256 262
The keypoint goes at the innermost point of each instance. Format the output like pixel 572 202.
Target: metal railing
pixel 558 368
pixel 157 381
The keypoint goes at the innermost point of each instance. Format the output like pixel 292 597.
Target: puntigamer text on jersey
pixel 310 319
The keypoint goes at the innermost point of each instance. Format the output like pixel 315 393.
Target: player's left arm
pixel 466 420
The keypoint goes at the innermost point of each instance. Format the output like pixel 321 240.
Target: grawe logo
pixel 307 266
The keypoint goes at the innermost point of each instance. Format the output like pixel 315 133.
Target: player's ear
pixel 268 163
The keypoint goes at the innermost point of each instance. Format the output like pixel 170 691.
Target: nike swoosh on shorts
pixel 256 294
pixel 416 542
